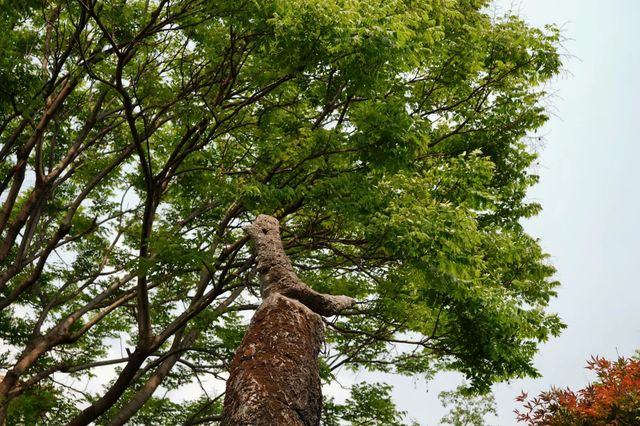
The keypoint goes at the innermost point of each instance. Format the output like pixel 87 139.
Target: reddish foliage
pixel 614 399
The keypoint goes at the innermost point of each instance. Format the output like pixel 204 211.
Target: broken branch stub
pixel 274 377
pixel 277 274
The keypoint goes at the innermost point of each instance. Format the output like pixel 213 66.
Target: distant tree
pixel 138 137
pixel 467 409
pixel 613 399
pixel 370 404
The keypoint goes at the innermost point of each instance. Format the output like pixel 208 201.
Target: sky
pixel 590 191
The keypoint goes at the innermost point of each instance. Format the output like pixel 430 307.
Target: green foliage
pixel 466 409
pixel 41 406
pixel 370 404
pixel 390 139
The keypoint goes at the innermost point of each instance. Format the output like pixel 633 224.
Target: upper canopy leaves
pixel 389 138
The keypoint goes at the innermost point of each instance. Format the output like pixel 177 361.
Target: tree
pixel 613 399
pixel 466 409
pixel 274 378
pixel 370 404
pixel 139 137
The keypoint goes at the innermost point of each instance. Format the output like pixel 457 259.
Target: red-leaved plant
pixel 613 399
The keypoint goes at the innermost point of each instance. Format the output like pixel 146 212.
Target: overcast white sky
pixel 590 191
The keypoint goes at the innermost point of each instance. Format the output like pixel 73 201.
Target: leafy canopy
pixel 466 409
pixel 370 404
pixel 138 137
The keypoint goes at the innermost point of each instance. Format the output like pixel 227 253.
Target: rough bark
pixel 274 377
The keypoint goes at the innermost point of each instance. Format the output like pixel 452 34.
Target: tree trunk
pixel 274 378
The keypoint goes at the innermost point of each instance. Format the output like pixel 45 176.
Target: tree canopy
pixel 466 409
pixel 391 140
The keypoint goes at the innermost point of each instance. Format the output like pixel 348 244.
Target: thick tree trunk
pixel 274 378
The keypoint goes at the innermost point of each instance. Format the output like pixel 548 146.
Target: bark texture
pixel 274 378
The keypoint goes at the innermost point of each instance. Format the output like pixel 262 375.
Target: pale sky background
pixel 590 192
